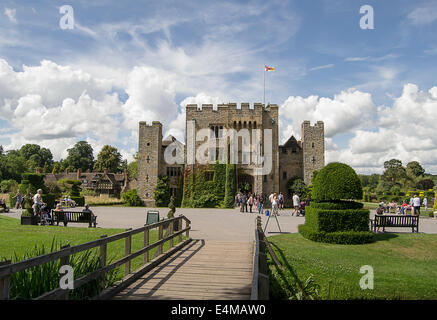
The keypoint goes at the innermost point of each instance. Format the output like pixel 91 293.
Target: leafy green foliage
pixel 162 192
pixel 132 198
pixel 230 186
pixel 296 184
pixel 338 237
pixel 336 181
pixel 199 190
pixel 8 186
pixel 80 156
pixel 337 220
pixel 108 158
pixel 425 184
pixel 414 168
pixel 337 205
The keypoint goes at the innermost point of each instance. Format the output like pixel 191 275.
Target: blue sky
pixel 127 61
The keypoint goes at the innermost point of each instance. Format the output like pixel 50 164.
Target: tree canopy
pixel 108 158
pixel 80 156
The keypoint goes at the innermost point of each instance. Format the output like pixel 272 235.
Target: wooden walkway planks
pixel 203 270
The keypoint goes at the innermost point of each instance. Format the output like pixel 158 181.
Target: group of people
pixel 414 205
pixel 247 201
pixel 4 205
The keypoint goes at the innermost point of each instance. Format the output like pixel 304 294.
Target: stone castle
pixel 293 158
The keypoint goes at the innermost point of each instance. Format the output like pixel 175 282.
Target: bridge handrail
pixel 7 269
pixel 260 280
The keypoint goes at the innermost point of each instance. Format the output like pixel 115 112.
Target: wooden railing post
pixel 5 283
pixel 179 229
pixel 65 261
pixel 188 231
pixel 103 254
pixel 171 227
pixel 127 251
pixel 146 243
pixel 160 237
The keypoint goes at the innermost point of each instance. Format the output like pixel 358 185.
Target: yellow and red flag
pixel 267 68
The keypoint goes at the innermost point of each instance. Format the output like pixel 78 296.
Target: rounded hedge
pixel 337 205
pixel 336 181
pixel 339 237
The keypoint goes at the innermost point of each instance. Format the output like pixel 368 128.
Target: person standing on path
pixel 296 204
pixel 275 204
pixel 244 202
pixel 19 201
pixel 261 204
pixel 250 201
pixel 425 203
pixel 416 205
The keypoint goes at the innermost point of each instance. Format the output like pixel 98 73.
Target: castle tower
pixel 149 160
pixel 313 145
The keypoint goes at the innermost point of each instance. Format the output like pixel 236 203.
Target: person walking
pixel 416 205
pixel 37 202
pixel 425 203
pixel 250 201
pixel 261 204
pixel 244 200
pixel 19 201
pixel 296 204
pixel 281 201
pixel 275 204
pixel 307 200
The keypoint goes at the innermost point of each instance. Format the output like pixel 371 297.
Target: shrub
pixel 338 237
pixel 337 205
pixel 7 186
pixel 162 192
pixel 80 201
pixel 337 181
pixel 230 190
pixel 132 198
pixel 49 199
pixel 337 220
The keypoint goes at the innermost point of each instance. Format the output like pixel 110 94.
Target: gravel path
pixel 215 224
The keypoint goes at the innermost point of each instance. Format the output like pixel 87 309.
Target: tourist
pixel 281 201
pixel 37 202
pixel 307 200
pixel 296 204
pixel 412 206
pixel 404 207
pixel 250 202
pixel 380 212
pixel 275 204
pixel 425 203
pixel 261 204
pixel 255 201
pixel 18 203
pixel 3 205
pixel 416 205
pixel 59 208
pixel 244 202
pixel 93 216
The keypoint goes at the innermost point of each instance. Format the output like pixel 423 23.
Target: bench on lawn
pixel 395 221
pixel 73 217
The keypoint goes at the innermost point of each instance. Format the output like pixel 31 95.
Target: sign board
pixel 152 217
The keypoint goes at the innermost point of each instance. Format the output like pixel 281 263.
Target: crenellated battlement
pixel 231 106
pixel 148 124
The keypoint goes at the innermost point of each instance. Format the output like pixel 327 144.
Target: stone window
pixel 284 150
pixel 312 145
pixel 254 124
pixel 313 160
pixel 293 150
pixel 148 144
pixel 147 178
pixel 265 178
pixel 284 175
pixel 209 175
pixel 148 159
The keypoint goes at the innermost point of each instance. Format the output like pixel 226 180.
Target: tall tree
pixel 415 169
pixel 394 173
pixel 80 156
pixel 109 158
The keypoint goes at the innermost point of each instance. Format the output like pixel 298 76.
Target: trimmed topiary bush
pixel 331 219
pixel 132 198
pixel 336 181
pixel 338 237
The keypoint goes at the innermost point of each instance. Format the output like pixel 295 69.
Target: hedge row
pixel 337 220
pixel 339 237
pixel 337 205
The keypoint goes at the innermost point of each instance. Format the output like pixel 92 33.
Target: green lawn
pixel 15 238
pixel 405 266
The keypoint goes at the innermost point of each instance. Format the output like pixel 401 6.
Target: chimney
pixel 105 171
pixel 79 172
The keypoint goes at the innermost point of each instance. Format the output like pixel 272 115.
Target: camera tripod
pixel 276 217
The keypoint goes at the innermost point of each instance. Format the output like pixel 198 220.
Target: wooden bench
pixel 73 217
pixel 395 221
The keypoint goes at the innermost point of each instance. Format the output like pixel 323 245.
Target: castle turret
pixel 313 144
pixel 149 160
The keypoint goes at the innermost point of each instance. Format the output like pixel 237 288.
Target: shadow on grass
pixel 385 236
pixel 281 287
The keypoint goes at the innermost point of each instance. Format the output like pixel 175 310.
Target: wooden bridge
pixel 192 269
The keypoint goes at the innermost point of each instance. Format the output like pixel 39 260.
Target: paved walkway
pixel 216 224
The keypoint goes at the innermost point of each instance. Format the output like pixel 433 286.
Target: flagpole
pixel 264 87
